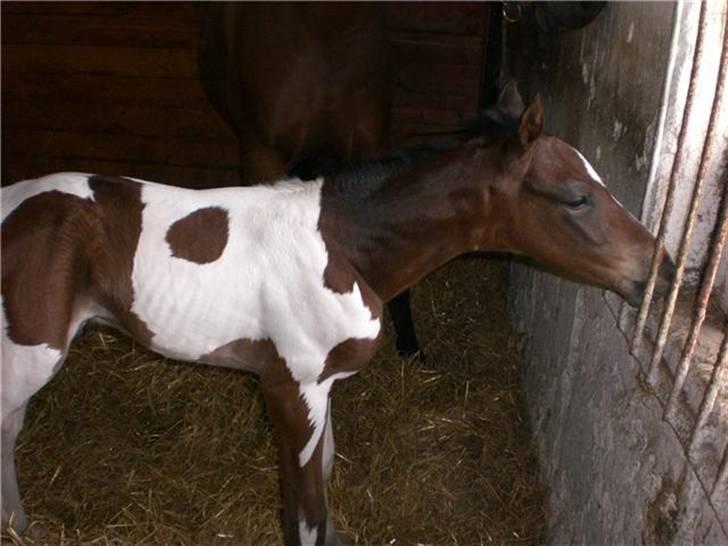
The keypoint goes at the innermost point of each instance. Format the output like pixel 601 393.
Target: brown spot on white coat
pixel 199 237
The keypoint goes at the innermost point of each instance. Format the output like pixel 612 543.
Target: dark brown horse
pixel 288 280
pixel 298 82
pixel 305 86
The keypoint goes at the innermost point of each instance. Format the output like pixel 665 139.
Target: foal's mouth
pixel 635 291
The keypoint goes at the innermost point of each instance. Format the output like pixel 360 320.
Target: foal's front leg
pixel 302 421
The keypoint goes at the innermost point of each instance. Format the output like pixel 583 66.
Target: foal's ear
pixel 531 123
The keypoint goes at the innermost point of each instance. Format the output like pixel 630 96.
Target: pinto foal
pixel 287 281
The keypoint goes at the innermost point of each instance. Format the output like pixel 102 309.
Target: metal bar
pixel 711 393
pixel 670 197
pixel 707 153
pixel 706 288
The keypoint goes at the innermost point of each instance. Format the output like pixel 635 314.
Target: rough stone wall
pixel 616 471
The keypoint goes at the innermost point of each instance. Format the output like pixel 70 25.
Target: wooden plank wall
pixel 112 88
pixel 438 50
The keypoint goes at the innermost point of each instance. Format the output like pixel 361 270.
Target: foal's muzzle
pixel 665 275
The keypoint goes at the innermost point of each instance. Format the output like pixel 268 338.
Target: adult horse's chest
pixel 222 268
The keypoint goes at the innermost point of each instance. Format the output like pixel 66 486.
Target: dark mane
pixel 359 179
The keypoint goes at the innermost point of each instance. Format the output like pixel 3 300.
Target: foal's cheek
pixel 596 230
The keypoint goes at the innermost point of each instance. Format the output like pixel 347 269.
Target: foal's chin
pixel 634 294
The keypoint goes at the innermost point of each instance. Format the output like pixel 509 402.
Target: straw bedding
pixel 126 448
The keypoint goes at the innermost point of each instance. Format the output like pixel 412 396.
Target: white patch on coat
pixel 25 368
pixel 589 169
pixel 327 459
pixel 267 284
pixel 316 396
pixel 306 534
pixel 72 183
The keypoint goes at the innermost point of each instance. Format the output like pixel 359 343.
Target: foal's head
pixel 556 209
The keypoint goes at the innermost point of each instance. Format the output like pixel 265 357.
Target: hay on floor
pixel 127 448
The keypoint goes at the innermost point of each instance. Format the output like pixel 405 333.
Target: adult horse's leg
pixel 13 515
pixel 305 455
pixel 404 328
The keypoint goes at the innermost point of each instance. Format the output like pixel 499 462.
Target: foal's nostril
pixel 667 269
pixel 665 275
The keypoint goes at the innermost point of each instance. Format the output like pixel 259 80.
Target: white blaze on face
pixel 594 175
pixel 589 169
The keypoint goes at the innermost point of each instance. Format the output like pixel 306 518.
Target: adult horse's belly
pixel 308 78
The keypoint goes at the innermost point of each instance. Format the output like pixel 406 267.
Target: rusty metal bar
pixel 711 392
pixel 707 286
pixel 670 197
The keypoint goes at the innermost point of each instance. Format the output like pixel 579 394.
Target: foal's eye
pixel 577 204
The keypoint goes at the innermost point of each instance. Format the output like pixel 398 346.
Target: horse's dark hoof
pixel 410 353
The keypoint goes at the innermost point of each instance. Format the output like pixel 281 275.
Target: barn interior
pixel 530 420
pixel 125 448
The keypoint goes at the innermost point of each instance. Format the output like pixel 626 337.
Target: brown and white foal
pixel 288 280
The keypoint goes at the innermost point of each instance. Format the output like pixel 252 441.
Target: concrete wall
pixel 616 470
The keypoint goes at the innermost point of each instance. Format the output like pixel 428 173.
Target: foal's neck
pixel 416 220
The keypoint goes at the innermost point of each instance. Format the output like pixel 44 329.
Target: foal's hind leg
pixel 25 369
pixel 13 514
